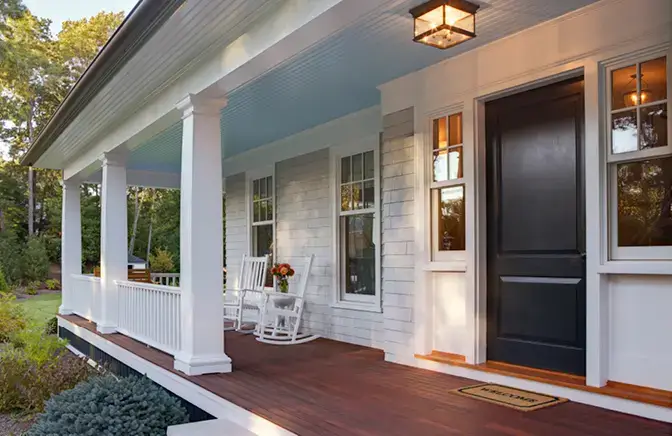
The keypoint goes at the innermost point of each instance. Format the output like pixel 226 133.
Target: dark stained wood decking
pixel 332 388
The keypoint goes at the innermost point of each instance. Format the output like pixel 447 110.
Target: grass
pixel 41 308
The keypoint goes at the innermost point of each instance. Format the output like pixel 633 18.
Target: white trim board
pixel 592 399
pixel 196 395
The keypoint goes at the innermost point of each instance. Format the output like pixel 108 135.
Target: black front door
pixel 536 261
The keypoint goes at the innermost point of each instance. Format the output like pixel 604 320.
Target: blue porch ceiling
pixel 340 75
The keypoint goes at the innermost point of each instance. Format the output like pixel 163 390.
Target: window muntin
pixel 357 228
pixel 447 189
pixel 640 161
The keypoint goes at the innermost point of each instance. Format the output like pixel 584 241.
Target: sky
pixel 62 10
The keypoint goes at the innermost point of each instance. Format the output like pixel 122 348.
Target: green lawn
pixel 41 307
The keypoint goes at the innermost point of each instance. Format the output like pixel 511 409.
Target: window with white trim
pixel 358 230
pixel 640 160
pixel 262 207
pixel 447 190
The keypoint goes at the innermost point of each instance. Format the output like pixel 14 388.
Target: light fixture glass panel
pixel 455 16
pixel 429 20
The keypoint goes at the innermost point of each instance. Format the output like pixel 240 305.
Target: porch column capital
pixel 115 158
pixel 199 104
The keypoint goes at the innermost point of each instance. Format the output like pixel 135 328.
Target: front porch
pixel 328 387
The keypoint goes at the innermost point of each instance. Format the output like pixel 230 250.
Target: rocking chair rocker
pixel 281 312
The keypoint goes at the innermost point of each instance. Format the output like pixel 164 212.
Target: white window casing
pixel 613 160
pixel 341 298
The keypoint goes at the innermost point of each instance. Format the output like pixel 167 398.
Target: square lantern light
pixel 444 23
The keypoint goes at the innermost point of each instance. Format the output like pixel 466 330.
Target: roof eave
pixel 137 28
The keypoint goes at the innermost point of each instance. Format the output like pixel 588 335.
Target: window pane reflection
pixel 441 166
pixel 455 163
pixel 645 203
pixel 654 80
pixel 623 81
pixel 451 215
pixel 358 261
pixel 624 132
pixel 653 121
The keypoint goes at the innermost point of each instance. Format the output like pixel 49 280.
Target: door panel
pixel 536 262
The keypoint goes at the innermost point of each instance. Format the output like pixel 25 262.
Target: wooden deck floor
pixel 332 388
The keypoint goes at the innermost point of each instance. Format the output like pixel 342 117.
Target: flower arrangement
pixel 282 272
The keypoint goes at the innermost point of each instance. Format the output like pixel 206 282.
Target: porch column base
pixel 106 329
pixel 194 365
pixel 62 310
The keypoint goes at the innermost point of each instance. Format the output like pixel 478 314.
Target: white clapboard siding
pixel 150 314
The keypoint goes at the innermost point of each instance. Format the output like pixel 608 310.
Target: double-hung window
pixel 358 230
pixel 447 189
pixel 640 160
pixel 262 207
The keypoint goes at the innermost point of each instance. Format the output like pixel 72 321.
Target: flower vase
pixel 283 285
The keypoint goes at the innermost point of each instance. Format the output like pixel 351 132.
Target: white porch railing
pixel 150 314
pixel 85 296
pixel 166 279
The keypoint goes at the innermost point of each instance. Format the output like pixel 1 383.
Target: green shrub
pixel 38 347
pixel 51 326
pixel 35 265
pixel 52 284
pixel 12 317
pixel 25 386
pixel 107 406
pixel 4 287
pixel 162 261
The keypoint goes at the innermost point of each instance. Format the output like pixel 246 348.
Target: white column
pixel 113 238
pixel 71 242
pixel 201 245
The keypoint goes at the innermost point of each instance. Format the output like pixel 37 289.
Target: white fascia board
pixel 295 26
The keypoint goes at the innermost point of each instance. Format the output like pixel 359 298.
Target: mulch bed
pixel 14 425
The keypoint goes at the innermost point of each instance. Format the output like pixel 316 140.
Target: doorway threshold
pixel 642 394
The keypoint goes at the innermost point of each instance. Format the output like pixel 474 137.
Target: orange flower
pixel 284 270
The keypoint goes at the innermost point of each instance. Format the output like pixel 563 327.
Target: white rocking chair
pixel 281 313
pixel 242 305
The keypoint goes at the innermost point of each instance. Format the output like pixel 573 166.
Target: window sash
pixel 645 153
pixel 616 252
pixel 341 297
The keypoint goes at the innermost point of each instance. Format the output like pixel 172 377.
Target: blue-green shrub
pixel 110 406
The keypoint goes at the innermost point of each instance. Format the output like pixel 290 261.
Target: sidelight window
pixel 640 160
pixel 447 189
pixel 262 211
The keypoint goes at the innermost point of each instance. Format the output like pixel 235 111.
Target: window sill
pixel 636 267
pixel 362 307
pixel 450 266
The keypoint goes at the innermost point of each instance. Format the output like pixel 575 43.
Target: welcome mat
pixel 518 399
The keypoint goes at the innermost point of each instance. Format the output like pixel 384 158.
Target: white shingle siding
pixel 398 234
pixel 236 226
pixel 304 227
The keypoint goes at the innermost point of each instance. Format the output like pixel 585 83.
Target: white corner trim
pixel 590 398
pixel 180 386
